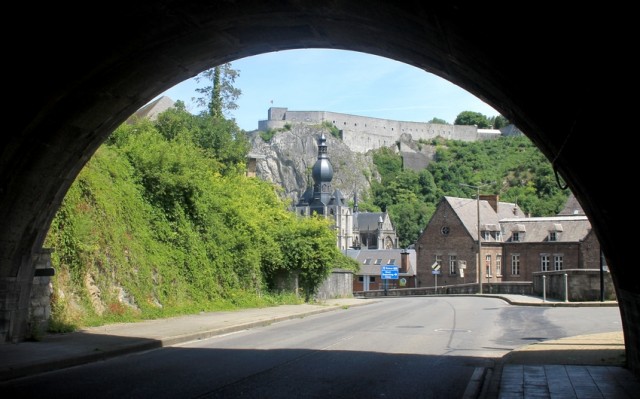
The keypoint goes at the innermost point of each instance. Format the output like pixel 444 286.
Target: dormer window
pixel 486 235
pixel 554 232
pixel 517 235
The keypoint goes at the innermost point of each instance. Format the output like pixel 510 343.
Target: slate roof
pixel 571 207
pixel 306 197
pixel 385 255
pixel 338 199
pixel 568 228
pixel 467 210
pixel 368 221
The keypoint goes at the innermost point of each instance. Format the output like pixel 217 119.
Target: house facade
pixel 447 249
pixel 513 248
pixel 544 244
pixel 371 263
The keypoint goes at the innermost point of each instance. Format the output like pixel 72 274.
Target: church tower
pixel 320 200
pixel 322 174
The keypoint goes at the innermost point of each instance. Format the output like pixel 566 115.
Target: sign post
pixel 435 270
pixel 388 272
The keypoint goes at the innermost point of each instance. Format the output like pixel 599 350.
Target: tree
pixel 221 138
pixel 472 118
pixel 220 97
pixel 438 121
pixel 410 218
pixel 308 247
pixel 388 162
pixel 500 121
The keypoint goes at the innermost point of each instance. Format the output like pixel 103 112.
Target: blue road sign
pixel 389 272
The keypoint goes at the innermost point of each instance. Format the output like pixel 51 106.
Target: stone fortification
pixel 361 133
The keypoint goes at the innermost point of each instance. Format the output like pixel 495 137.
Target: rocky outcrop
pixel 287 158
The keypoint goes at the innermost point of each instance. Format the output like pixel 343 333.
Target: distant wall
pixel 339 284
pixel 584 285
pixel 519 288
pixel 363 133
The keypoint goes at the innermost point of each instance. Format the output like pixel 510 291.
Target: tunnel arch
pixel 82 76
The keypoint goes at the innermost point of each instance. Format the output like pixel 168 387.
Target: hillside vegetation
pixel 162 221
pixel 511 167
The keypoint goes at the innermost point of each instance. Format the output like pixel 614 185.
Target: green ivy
pixel 158 224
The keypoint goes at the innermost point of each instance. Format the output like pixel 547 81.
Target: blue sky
pixel 338 81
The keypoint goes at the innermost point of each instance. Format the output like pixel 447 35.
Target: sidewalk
pixel 584 366
pixel 576 367
pixel 57 351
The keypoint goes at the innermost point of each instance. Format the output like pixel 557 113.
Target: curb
pixel 150 344
pixel 558 304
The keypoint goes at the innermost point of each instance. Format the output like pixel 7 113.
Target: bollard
pixel 566 288
pixel 544 288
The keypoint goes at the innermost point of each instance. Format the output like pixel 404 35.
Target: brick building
pixel 450 239
pixel 545 244
pixel 514 248
pixel 371 262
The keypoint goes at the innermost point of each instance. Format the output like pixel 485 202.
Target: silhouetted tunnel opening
pixel 91 90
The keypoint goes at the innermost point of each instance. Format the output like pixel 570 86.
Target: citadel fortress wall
pixel 363 133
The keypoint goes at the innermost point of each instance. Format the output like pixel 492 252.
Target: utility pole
pixel 478 258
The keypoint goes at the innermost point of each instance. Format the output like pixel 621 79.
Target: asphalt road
pixel 408 347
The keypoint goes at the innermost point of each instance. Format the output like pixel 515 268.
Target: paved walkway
pixel 589 366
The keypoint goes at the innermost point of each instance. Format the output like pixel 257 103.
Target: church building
pixel 354 229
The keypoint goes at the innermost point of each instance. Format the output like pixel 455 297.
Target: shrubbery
pixel 163 221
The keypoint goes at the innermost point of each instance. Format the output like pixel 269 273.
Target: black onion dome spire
pixel 322 171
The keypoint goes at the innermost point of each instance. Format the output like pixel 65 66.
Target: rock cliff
pixel 287 158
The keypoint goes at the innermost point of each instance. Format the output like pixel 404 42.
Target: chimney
pixel 404 261
pixel 492 199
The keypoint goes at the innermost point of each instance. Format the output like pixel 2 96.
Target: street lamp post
pixel 478 258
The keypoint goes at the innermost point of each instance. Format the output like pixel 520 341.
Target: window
pixel 515 264
pixel 361 279
pixel 498 235
pixel 553 236
pixel 372 279
pixel 391 262
pixel 498 265
pixel 453 264
pixel 557 262
pixel 444 230
pixel 516 236
pixel 487 262
pixel 544 262
pixel 486 235
pixel 367 261
pixel 378 261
